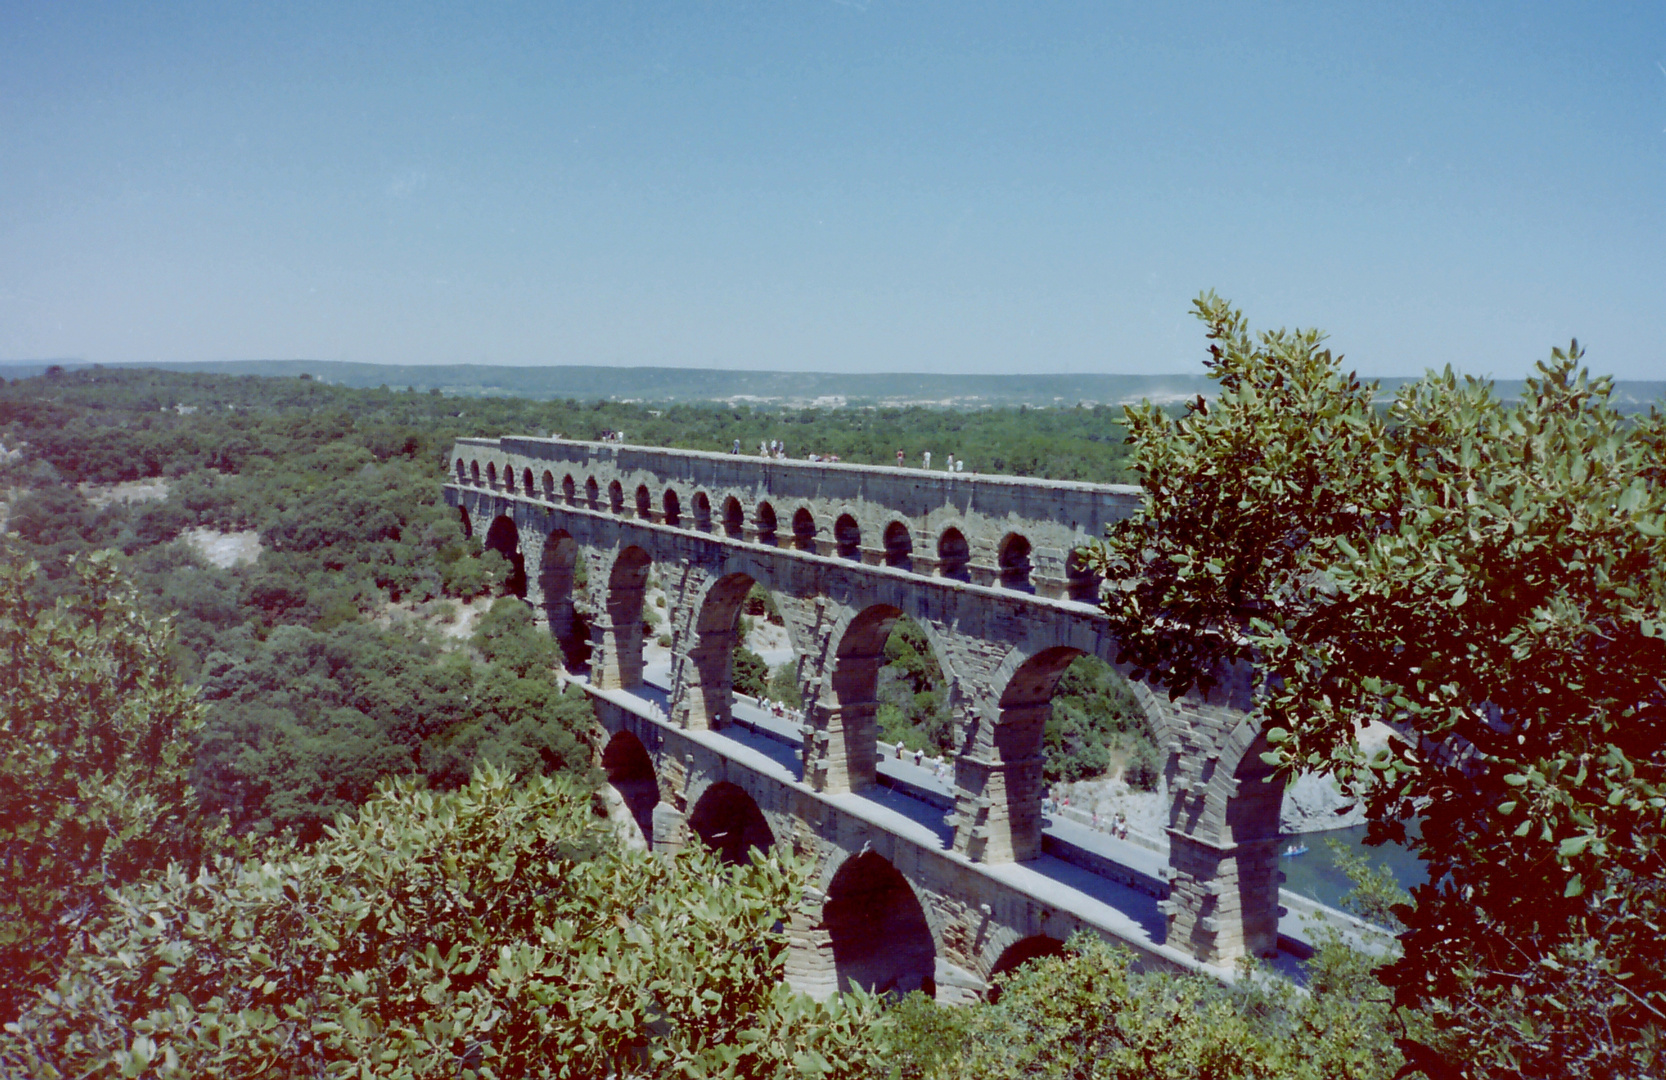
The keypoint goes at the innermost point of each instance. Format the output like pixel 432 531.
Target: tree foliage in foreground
pixel 1487 579
pixel 1092 1014
pixel 94 761
pixel 487 932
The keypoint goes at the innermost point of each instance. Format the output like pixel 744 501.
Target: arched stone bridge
pixel 985 566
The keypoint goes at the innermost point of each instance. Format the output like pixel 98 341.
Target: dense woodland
pixel 255 827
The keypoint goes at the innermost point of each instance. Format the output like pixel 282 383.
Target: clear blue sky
pixel 846 186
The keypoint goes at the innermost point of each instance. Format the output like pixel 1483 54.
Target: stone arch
pixel 954 555
pixel 616 497
pixel 841 753
pixel 462 471
pixel 556 572
pixel 877 929
pixel 592 493
pixel 729 822
pixel 847 537
pixel 1085 643
pixel 526 482
pixel 504 538
pixel 468 526
pixel 998 782
pixel 1013 561
pixel 1081 581
pixel 764 519
pixel 474 473
pixel 899 545
pixel 569 489
pixel 630 772
pixel 491 474
pixel 621 632
pixel 644 503
pixel 1223 846
pixel 734 518
pixel 706 673
pixel 804 529
pixel 673 508
pixel 547 485
pixel 702 511
pixel 1019 953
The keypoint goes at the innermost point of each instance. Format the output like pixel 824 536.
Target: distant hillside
pixel 780 388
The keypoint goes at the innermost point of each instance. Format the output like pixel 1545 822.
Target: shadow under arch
pixel 621 634
pixel 503 537
pixel 465 522
pixel 630 772
pixel 877 928
pixel 556 572
pixel 727 820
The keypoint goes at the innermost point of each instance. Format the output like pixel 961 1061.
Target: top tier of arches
pixel 1001 531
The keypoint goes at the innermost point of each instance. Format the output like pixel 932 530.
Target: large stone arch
pixel 504 537
pixel 620 630
pixel 841 751
pixel 877 930
pixel 631 774
pixel 728 820
pixel 702 671
pixel 557 570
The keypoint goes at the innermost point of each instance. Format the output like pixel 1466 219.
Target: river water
pixel 1316 874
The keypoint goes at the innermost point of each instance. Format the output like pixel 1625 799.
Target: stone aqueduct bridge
pixel 984 565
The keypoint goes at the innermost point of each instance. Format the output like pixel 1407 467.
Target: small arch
pixel 592 493
pixel 505 539
pixel 954 555
pixel 673 508
pixel 644 503
pixel 764 519
pixel 877 928
pixel 630 772
pixel 729 822
pixel 734 518
pixel 847 537
pixel 462 472
pixel 1013 557
pixel 899 546
pixel 548 488
pixel 474 473
pixel 491 474
pixel 468 526
pixel 702 511
pixel 616 497
pixel 526 482
pixel 804 529
pixel 1081 581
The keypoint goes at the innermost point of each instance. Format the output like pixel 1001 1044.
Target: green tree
pixel 749 674
pixel 95 732
pixel 1488 579
pixel 488 932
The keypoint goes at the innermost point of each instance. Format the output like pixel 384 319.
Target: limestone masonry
pixel 986 566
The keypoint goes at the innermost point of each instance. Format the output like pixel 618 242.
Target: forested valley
pixel 329 813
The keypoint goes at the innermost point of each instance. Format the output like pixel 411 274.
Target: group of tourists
pixel 1117 826
pixel 612 436
pixel 951 465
